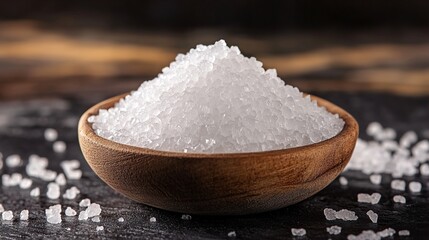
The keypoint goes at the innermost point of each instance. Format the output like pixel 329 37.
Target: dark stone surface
pixel 21 131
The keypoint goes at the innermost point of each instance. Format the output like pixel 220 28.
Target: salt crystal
pixel 404 233
pixel 364 235
pixel 53 191
pixel 230 102
pixel 59 146
pixel 329 214
pixel 83 215
pixel 93 209
pixel 23 216
pixel 70 212
pixel 100 228
pixel 374 128
pixel 121 219
pixel 232 234
pixel 346 215
pixel 343 181
pixel 398 185
pixel 408 138
pixel 61 179
pixel 424 169
pixel 186 217
pixel 375 179
pixel 415 187
pixel 388 232
pixel 71 170
pixel 71 193
pixel 7 216
pixel 25 183
pixel 13 161
pixel 96 219
pixel 298 232
pixel 1 208
pixel 68 229
pixel 51 134
pixel 85 202
pixel 53 214
pixel 334 230
pixel 11 180
pixel 35 192
pixel 372 215
pixel 399 199
pixel 152 219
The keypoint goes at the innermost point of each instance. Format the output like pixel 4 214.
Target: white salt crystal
pixel 121 219
pixel 415 187
pixel 232 234
pixel 53 191
pixel 404 233
pixel 298 232
pixel 11 180
pixel 83 215
pixel 366 198
pixel 85 202
pixel 1 208
pixel 23 216
pixel 398 185
pixel 424 169
pixel 48 175
pixel 364 235
pixel 59 146
pixel 388 232
pixel 7 216
pixel 390 145
pixel 71 170
pixel 334 230
pixel 100 228
pixel 70 212
pixel 343 181
pixel 374 128
pixel 214 99
pixel 35 192
pixel 93 209
pixel 53 214
pixel 329 214
pixel 373 216
pixel 399 199
pixel 13 161
pixel 346 215
pixel 25 183
pixel 51 134
pixel 375 179
pixel 68 229
pixel 96 219
pixel 408 138
pixel 61 179
pixel 186 217
pixel 152 219
pixel 71 193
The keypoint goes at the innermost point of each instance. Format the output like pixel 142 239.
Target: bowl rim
pixel 85 130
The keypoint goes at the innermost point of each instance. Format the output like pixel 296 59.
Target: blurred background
pixel 102 48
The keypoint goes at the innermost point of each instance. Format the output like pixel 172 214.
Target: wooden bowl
pixel 218 184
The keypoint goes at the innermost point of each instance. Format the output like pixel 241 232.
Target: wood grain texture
pixel 218 184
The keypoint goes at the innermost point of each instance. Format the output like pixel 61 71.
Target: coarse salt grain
pixel 334 230
pixel 93 210
pixel 364 235
pixel 61 179
pixel 50 134
pixel 186 217
pixel 53 191
pixel 53 214
pixel 85 202
pixel 398 185
pixel 7 216
pixel 424 169
pixel 71 193
pixel 100 228
pixel 13 161
pixel 388 232
pixel 404 233
pixel 399 199
pixel 70 168
pixel 343 181
pixel 1 208
pixel 329 214
pixel 59 146
pixel 25 183
pixel 346 215
pixel 232 234
pixel 366 198
pixel 415 187
pixel 95 219
pixel 83 215
pixel 121 219
pixel 372 216
pixel 375 179
pixel 70 212
pixel 35 192
pixel 230 102
pixel 23 216
pixel 299 232
pixel 152 219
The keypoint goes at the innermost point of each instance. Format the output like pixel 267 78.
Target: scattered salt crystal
pixel 186 217
pixel 346 215
pixel 71 170
pixel 408 138
pixel 23 216
pixel 298 232
pixel 375 179
pixel 13 161
pixel 53 214
pixel 93 209
pixel 424 169
pixel 59 146
pixel 334 230
pixel 51 134
pixel 366 198
pixel 61 179
pixel 232 234
pixel 100 228
pixel 96 219
pixel 415 187
pixel 7 216
pixel 70 212
pixel 404 233
pixel 152 219
pixel 85 202
pixel 388 232
pixel 53 191
pixel 83 215
pixel 390 145
pixel 364 235
pixel 35 192
pixel 230 102
pixel 372 215
pixel 71 193
pixel 121 219
pixel 398 185
pixel 25 183
pixel 1 208
pixel 11 180
pixel 399 199
pixel 68 229
pixel 329 214
pixel 374 128
pixel 343 181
